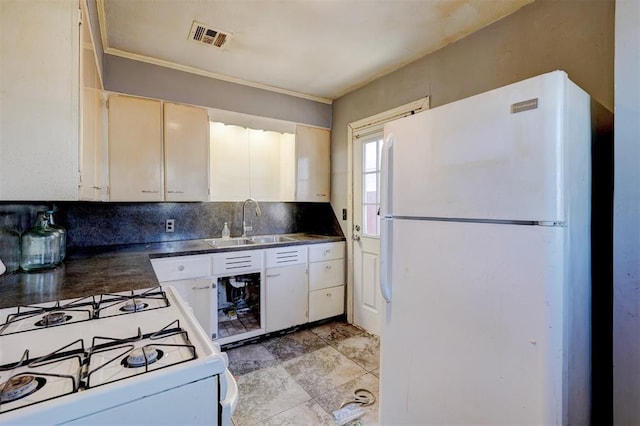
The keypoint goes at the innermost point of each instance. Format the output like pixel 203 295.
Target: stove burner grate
pixel 124 352
pixel 20 386
pixel 38 373
pixel 111 304
pixel 30 317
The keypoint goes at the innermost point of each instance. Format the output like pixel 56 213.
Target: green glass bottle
pixel 40 246
pixel 63 234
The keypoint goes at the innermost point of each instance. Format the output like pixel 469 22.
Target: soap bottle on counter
pixel 226 234
pixel 40 246
pixel 61 231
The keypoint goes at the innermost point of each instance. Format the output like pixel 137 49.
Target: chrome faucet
pixel 246 228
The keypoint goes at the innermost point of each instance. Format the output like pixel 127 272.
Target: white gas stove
pixel 136 357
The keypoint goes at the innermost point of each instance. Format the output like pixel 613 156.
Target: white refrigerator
pixel 485 259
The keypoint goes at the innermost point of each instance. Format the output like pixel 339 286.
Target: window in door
pixel 371 150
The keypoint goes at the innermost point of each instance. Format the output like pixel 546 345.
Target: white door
pixel 367 299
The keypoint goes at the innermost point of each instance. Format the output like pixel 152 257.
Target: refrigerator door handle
pixel 386 237
pixel 386 177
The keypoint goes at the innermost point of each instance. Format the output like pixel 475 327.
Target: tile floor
pixel 300 378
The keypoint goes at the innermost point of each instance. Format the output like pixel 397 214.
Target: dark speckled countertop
pixel 112 269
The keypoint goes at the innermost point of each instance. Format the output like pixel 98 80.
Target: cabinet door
pixel 201 297
pixel 135 149
pixel 91 186
pixel 312 164
pixel 287 297
pixel 39 92
pixel 186 131
pixel 229 163
pixel 326 303
pixel 264 163
pixel 287 167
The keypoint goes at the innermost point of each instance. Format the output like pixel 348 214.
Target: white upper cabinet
pixel 312 164
pixel 251 163
pixel 265 164
pixel 155 156
pixel 40 111
pixel 229 164
pixel 135 149
pixel 92 186
pixel 186 133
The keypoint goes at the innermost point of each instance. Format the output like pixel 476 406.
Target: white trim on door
pixel 354 128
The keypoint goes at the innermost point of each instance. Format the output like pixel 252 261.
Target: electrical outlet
pixel 170 225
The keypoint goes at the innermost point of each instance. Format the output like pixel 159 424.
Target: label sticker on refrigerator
pixel 524 106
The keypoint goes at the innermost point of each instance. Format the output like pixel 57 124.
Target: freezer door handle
pixel 386 177
pixel 386 237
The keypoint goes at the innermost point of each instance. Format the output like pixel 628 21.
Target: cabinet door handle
pixel 148 191
pixel 273 276
pixel 175 192
pixel 99 188
pixel 200 288
pixel 181 268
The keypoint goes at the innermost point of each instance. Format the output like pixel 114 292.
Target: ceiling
pixel 315 49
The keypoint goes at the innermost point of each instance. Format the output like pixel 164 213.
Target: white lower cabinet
pixel 287 297
pixel 287 303
pixel 326 280
pixel 326 303
pixel 296 285
pixel 191 277
pixel 198 293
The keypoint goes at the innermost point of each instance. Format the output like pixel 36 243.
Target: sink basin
pixel 245 241
pixel 232 242
pixel 266 239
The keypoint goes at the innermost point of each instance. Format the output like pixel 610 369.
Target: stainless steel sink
pixel 232 242
pixel 267 239
pixel 247 241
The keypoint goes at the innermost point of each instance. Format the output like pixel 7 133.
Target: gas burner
pixel 112 304
pixel 20 386
pixel 140 357
pixel 134 305
pixel 53 318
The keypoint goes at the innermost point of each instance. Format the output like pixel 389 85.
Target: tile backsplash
pixel 92 224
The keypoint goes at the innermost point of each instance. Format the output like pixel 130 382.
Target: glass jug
pixel 61 231
pixel 40 246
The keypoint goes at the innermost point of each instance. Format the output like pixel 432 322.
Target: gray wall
pixel 153 81
pixel 626 278
pixel 575 36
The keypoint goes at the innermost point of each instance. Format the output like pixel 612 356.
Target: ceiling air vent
pixel 200 33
